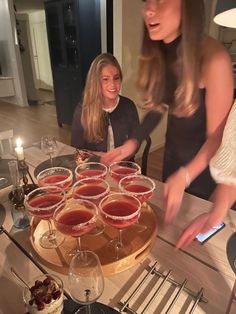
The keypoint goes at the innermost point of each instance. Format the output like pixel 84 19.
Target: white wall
pixel 39 40
pixel 127 40
pixel 27 57
pixel 9 53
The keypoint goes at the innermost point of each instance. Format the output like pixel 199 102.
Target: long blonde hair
pixel 152 65
pixel 93 117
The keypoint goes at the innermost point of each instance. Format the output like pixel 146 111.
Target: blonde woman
pixel 105 119
pixel 190 74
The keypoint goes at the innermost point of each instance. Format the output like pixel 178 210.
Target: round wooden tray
pixel 137 242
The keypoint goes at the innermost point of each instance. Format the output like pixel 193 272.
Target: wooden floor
pixel 30 123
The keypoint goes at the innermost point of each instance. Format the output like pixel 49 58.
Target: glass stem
pixel 78 244
pixel 120 238
pixel 88 307
pixel 50 155
pixel 51 233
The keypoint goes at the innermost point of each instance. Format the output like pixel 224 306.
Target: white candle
pixel 19 149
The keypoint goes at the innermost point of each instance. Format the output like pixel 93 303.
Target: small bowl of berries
pixel 82 156
pixel 45 295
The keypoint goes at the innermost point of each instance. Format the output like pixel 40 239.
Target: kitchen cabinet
pixel 74 36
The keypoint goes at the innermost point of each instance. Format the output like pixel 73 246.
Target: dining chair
pixel 144 159
pixel 6 138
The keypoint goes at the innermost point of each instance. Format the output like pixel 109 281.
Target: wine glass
pixel 77 218
pixel 49 146
pixel 41 203
pixel 92 189
pixel 90 169
pixel 3 181
pixel 139 186
pixel 120 211
pixel 57 176
pixel 86 281
pixel 121 169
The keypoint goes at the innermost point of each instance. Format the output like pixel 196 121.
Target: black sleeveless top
pixel 184 136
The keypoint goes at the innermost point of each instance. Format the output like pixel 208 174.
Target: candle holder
pixel 20 217
pixel 24 170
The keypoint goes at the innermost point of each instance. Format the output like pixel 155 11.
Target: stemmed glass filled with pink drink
pixel 94 190
pixel 139 186
pixel 75 219
pixel 41 203
pixel 57 176
pixel 120 211
pixel 90 170
pixel 121 169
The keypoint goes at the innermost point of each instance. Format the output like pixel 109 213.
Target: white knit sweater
pixel 223 164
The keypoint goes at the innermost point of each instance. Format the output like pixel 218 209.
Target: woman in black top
pixel 190 74
pixel 105 119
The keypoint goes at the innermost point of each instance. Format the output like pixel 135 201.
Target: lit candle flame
pixel 18 142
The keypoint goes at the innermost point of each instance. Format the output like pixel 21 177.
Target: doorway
pixel 33 42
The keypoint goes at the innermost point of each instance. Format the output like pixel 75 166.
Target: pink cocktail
pixel 120 211
pixel 92 189
pixel 57 176
pixel 77 218
pixel 90 170
pixel 42 203
pixel 139 186
pixel 121 169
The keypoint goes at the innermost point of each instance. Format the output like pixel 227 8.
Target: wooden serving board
pixel 137 243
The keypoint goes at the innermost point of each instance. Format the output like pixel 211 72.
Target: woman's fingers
pixel 112 156
pixel 190 233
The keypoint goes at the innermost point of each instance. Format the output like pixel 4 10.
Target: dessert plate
pixel 66 161
pixel 71 306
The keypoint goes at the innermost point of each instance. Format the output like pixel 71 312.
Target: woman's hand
pixel 121 152
pixel 197 226
pixel 173 194
pixel 224 197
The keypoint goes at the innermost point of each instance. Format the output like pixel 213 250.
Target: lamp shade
pixel 225 14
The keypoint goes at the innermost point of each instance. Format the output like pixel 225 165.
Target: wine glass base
pixel 51 241
pixel 94 309
pixel 3 181
pixel 78 250
pixel 70 306
pixel 118 249
pixel 139 227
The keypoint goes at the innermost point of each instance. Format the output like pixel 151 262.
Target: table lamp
pixel 225 13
